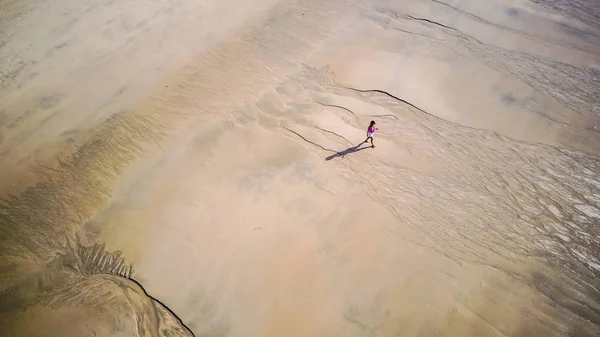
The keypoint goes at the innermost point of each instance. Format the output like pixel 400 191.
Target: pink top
pixel 372 129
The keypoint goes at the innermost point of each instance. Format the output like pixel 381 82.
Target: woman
pixel 370 132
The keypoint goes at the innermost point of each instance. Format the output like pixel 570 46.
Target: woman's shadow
pixel 348 151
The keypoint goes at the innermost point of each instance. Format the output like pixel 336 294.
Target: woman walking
pixel 370 132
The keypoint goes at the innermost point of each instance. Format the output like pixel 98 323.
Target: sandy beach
pixel 196 168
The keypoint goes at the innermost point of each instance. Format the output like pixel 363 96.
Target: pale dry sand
pixel 215 145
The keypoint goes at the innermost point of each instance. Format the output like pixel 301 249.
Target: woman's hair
pixel 372 122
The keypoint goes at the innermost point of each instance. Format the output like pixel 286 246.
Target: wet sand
pixel 216 149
